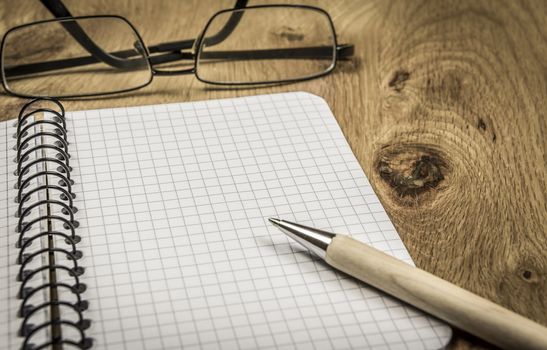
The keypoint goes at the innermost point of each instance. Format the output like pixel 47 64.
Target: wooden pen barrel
pixel 436 296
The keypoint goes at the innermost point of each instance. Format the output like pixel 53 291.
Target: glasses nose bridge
pixel 171 52
pixel 172 56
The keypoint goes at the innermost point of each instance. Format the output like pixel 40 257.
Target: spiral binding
pixel 59 195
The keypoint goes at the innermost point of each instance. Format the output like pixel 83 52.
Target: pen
pixel 419 288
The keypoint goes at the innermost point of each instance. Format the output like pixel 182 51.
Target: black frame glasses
pixel 169 52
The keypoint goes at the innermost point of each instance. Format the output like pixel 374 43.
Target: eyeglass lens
pixel 270 44
pixel 53 58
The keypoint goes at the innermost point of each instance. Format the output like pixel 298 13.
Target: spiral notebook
pixel 146 228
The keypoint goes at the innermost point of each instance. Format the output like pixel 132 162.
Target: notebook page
pixel 173 204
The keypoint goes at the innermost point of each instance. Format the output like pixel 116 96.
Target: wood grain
pixel 444 105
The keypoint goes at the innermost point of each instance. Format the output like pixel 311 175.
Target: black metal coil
pixel 33 138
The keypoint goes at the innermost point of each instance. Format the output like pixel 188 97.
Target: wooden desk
pixel 445 107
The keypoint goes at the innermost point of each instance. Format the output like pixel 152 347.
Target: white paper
pixel 173 204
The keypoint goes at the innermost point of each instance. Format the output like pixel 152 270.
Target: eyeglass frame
pixel 340 51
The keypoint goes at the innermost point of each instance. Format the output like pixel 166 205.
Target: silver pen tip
pixel 274 221
pixel 311 238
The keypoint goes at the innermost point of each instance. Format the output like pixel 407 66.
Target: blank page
pixel 173 205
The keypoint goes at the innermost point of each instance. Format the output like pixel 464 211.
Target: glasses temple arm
pixel 343 51
pixel 315 52
pixel 42 67
pixel 189 43
pixel 59 10
pixel 230 25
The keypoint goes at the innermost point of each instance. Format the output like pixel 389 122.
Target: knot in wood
pixel 398 80
pixel 411 170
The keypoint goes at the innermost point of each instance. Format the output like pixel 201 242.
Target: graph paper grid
pixel 173 204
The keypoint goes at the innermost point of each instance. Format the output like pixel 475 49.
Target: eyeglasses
pixel 102 55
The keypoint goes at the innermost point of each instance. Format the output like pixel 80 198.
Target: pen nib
pixel 274 221
pixel 311 238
